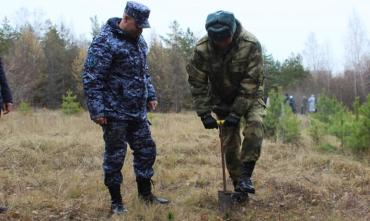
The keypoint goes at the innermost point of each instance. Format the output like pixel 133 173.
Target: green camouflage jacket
pixel 227 83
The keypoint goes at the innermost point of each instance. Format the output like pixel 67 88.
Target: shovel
pixel 224 196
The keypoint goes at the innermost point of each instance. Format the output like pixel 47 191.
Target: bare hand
pixel 152 105
pixel 7 107
pixel 100 120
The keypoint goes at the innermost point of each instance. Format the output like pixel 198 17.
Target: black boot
pixel 245 182
pixel 3 209
pixel 144 187
pixel 117 206
pixel 238 197
pixel 235 184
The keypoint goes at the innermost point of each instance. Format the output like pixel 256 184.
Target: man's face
pixel 132 27
pixel 223 44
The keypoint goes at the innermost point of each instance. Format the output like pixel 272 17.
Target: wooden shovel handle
pixel 220 123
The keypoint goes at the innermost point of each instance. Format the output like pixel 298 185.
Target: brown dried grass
pixel 51 170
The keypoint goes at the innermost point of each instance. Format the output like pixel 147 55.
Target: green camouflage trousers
pixel 252 140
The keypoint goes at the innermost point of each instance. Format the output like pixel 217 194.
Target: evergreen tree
pixel 7 35
pixel 70 104
pixel 292 71
pixel 159 68
pixel 179 48
pixel 274 112
pixel 359 138
pixel 288 74
pixel 58 77
pixel 280 122
pixel 272 69
pixel 288 127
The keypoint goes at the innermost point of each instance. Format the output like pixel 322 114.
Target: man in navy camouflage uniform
pixel 119 90
pixel 6 103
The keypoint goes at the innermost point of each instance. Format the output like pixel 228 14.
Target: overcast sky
pixel 282 26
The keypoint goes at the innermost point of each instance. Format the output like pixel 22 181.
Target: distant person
pixel 289 99
pixel 6 102
pixel 119 91
pixel 267 101
pixel 312 104
pixel 286 100
pixel 226 78
pixel 304 105
pixel 291 103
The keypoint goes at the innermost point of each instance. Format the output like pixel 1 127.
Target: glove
pixel 231 121
pixel 208 121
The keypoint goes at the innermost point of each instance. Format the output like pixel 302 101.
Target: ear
pixel 125 18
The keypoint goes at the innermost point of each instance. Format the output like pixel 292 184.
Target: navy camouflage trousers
pixel 119 133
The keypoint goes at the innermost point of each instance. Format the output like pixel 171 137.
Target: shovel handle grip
pixel 220 122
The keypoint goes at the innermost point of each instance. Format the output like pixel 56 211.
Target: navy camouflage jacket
pixel 5 94
pixel 115 77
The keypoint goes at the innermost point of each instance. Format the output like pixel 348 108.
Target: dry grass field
pixel 50 169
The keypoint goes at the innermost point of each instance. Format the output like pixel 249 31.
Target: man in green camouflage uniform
pixel 226 78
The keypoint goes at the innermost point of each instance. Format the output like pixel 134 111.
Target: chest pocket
pixel 237 70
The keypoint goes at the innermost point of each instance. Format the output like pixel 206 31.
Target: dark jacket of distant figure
pixel 6 96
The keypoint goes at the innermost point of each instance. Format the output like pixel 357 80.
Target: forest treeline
pixel 44 61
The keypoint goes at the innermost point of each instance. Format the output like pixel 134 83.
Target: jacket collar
pixel 113 26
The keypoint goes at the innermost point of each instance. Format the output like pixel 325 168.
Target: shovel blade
pixel 224 201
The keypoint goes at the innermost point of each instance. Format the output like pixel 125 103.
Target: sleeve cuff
pixel 152 99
